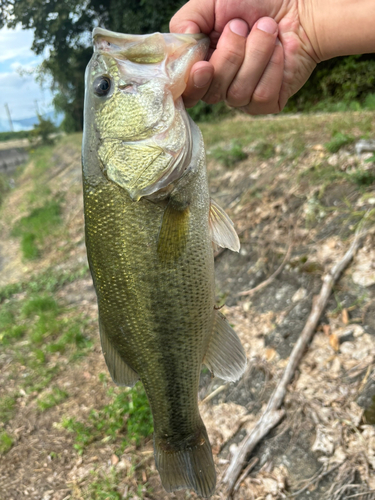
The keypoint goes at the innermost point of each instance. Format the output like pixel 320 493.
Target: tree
pixel 64 27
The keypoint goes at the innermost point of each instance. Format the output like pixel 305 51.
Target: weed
pixel 338 141
pixel 363 178
pixel 7 408
pixel 51 399
pixel 34 227
pixel 229 157
pixel 128 415
pixel 105 487
pixel 6 442
pixel 369 102
pixel 264 150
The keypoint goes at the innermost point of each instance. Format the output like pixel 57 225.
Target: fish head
pixel 133 106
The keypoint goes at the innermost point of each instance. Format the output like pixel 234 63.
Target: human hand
pixel 260 54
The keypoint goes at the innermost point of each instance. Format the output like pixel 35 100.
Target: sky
pixel 20 92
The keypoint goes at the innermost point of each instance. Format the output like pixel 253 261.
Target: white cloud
pixel 15 44
pixel 19 89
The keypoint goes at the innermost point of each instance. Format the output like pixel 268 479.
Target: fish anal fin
pixel 225 356
pixel 119 370
pixel 188 464
pixel 222 229
pixel 173 233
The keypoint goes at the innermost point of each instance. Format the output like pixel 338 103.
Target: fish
pixel 150 228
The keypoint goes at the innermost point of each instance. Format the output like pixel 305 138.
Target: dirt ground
pixel 290 190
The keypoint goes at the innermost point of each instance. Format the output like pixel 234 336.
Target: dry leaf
pixel 270 353
pixel 345 316
pixel 114 459
pixel 327 330
pixel 334 341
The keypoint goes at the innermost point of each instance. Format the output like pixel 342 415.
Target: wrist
pixel 338 27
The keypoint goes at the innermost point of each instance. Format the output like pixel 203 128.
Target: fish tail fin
pixel 188 464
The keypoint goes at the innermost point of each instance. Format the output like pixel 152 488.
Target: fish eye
pixel 102 85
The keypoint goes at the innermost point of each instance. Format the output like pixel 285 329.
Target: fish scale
pixel 149 225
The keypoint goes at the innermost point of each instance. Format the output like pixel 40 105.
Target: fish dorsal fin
pixel 120 372
pixel 225 356
pixel 173 233
pixel 222 228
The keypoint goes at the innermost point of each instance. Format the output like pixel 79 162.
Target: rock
pixel 364 145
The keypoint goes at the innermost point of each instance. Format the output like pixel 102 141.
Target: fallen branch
pixel 273 414
pixel 272 277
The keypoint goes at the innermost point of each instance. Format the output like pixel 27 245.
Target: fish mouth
pixel 172 54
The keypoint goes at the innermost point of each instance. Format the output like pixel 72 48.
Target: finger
pixel 227 59
pixel 194 17
pixel 198 83
pixel 266 96
pixel 260 46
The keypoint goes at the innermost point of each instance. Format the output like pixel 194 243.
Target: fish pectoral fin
pixel 225 356
pixel 187 464
pixel 222 228
pixel 119 370
pixel 173 232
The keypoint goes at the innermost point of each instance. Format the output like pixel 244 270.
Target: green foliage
pixel 230 156
pixel 203 112
pixel 9 136
pixel 128 415
pixel 6 442
pixel 363 178
pixel 34 227
pixel 53 398
pixel 338 141
pixel 339 84
pixel 42 132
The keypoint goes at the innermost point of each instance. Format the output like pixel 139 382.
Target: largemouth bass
pixel 150 225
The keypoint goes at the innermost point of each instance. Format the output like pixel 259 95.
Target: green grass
pixel 7 408
pixel 264 150
pixel 338 141
pixel 230 156
pixel 6 442
pixel 48 281
pixel 127 417
pixel 51 399
pixel 105 487
pixel 34 227
pixel 363 178
pixel 40 321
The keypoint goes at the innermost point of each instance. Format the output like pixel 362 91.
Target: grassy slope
pixel 65 430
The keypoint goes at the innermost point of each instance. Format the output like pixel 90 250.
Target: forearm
pixel 339 27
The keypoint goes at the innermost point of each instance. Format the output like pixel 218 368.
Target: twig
pixel 272 414
pixel 361 494
pixel 248 469
pixel 272 277
pixel 315 478
pixel 214 393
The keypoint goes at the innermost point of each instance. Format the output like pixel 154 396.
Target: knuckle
pixel 232 56
pixel 236 96
pixel 213 98
pixel 262 95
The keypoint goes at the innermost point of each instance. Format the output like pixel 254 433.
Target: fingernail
pixel 268 25
pixel 190 29
pixel 201 78
pixel 239 27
